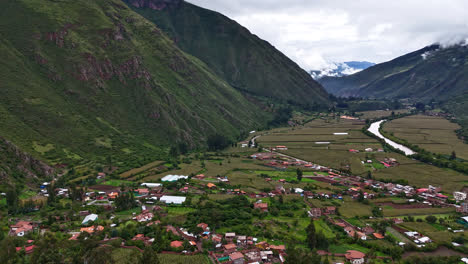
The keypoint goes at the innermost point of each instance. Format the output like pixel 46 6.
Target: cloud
pixel 315 33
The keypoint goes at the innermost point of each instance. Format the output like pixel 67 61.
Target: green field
pixel 435 134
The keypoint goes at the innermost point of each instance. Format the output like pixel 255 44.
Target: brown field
pixel 435 134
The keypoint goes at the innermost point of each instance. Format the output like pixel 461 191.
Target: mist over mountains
pixel 340 69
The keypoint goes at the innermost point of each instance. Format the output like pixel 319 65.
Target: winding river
pixel 374 129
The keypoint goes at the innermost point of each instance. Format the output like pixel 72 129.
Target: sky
pixel 315 33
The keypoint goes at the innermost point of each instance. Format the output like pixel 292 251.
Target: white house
pixel 459 196
pixel 168 199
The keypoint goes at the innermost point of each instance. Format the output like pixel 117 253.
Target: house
pixel 350 231
pixel 236 258
pixel 329 210
pixel 145 216
pixel 210 185
pixel 91 229
pixel 279 248
pixel 112 195
pixel 315 212
pixel 168 199
pixel 397 221
pixel 28 249
pixel 142 191
pixel 355 257
pixel 463 208
pixel 230 247
pixel 281 148
pixel 459 196
pixel 368 230
pixel 253 257
pixel 176 244
pixel 368 150
pixel 146 240
pixel 262 206
pixel 230 236
pixel 200 176
pixel 21 228
pixel 204 227
pixel 378 236
pixel 89 218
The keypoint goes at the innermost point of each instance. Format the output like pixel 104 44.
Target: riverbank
pixel 374 129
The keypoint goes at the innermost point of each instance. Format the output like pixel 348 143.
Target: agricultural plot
pixel 379 113
pixel 435 134
pixel 306 143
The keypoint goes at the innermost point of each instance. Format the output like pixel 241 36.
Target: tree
pixel 431 219
pixel 299 174
pixel 7 251
pixel 149 256
pixel 311 235
pixel 12 201
pixel 453 156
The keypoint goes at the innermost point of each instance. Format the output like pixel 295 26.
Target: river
pixel 374 129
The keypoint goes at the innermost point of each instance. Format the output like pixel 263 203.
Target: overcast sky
pixel 316 32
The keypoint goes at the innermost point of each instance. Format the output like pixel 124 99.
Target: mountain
pixel 19 167
pixel 246 62
pixel 93 80
pixel 340 69
pixel 434 72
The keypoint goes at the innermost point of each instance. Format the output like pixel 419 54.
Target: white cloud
pixel 316 32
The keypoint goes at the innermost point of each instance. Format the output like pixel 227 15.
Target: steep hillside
pixel 430 73
pixel 248 63
pixel 89 79
pixel 19 167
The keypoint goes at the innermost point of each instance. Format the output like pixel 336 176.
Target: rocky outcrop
pixel 155 4
pixel 18 165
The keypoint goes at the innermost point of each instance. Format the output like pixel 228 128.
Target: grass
pixel 182 259
pixel 321 225
pixel 136 171
pixel 116 183
pixel 391 212
pixel 351 208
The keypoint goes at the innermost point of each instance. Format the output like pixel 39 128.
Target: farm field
pixel 379 113
pixel 302 143
pixel 435 134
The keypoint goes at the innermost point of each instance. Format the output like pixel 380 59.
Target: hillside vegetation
pixel 89 79
pixel 245 61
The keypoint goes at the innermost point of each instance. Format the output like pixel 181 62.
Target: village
pixel 149 203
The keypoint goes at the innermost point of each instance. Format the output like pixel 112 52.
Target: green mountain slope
pixel 248 63
pixel 17 167
pixel 87 79
pixel 430 73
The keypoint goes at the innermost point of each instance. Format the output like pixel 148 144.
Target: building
pixel 281 148
pixel 315 213
pixel 168 199
pixel 142 191
pixel 21 228
pixel 91 229
pixel 262 206
pixel 204 227
pixel 176 244
pixel 145 216
pixel 210 185
pixel 355 257
pixel 329 210
pixel 89 218
pixel 151 185
pixel 236 258
pixel 173 178
pixel 459 196
pixel 230 247
pixel 463 208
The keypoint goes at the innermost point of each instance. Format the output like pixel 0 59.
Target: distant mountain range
pixel 434 73
pixel 339 69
